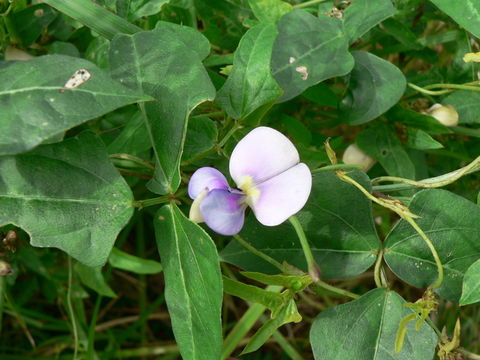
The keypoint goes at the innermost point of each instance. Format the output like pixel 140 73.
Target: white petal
pixel 263 153
pixel 283 195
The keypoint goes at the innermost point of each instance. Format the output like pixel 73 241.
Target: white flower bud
pixel 354 156
pixel 445 114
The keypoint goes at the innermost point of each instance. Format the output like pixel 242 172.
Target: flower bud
pixel 354 156
pixel 445 114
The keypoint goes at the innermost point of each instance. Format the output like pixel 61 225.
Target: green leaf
pixel 193 284
pixel 35 106
pixel 295 283
pixel 375 85
pixel 366 329
pixel 297 131
pixel 289 313
pixel 342 238
pixel 92 277
pixel 467 105
pixel 471 285
pixel 66 195
pixel 362 15
pixel 146 8
pixel 269 10
pixel 416 120
pixel 88 13
pixel 420 140
pixel 450 222
pixel 131 140
pixel 250 84
pixel 466 13
pixel 179 82
pixel 381 143
pixel 30 22
pixel 202 135
pixel 303 52
pixel 124 261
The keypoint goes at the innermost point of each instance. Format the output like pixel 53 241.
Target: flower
pixel 445 114
pixel 269 177
pixel 354 156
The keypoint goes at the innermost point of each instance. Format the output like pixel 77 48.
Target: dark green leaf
pixel 31 22
pixel 366 329
pixel 35 106
pixel 416 120
pixel 362 15
pixel 250 84
pixel 92 278
pixel 132 138
pixel 375 86
pixel 297 131
pixel 471 285
pixel 466 13
pixel 202 135
pixel 467 104
pixel 146 8
pixel 179 82
pixel 122 260
pixel 295 283
pixel 451 223
pixel 303 52
pixel 381 143
pixel 66 195
pixel 193 284
pixel 342 237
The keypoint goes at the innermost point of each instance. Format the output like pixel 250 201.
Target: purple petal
pixel 223 211
pixel 206 178
pixel 263 153
pixel 283 195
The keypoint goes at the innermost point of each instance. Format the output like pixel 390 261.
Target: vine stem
pixel 70 308
pixel 258 253
pixel 448 88
pixel 336 167
pixel 434 252
pixel 313 269
pixel 307 4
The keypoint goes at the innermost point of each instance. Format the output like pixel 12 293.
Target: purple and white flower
pixel 270 180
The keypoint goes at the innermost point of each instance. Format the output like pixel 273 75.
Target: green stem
pixel 336 167
pixel 228 135
pixel 428 92
pixel 91 329
pixel 377 270
pixel 336 290
pixel 308 3
pixel 313 270
pixel 211 114
pixel 448 88
pixel 2 299
pixel 150 202
pixel 434 252
pixel 70 308
pixel 258 253
pixel 469 354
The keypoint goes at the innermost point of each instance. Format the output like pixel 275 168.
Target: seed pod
pixel 5 268
pixel 354 156
pixel 445 114
pixel 10 239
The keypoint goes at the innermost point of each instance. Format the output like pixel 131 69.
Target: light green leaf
pixel 34 105
pixel 250 84
pixel 375 85
pixel 416 120
pixel 466 13
pixel 303 52
pixel 66 195
pixel 122 260
pixel 450 222
pixel 381 143
pixel 342 237
pixel 420 140
pixel 362 15
pixel 467 104
pixel 269 10
pixel 471 285
pixel 295 283
pixel 366 329
pixel 179 82
pixel 289 313
pixel 193 284
pixel 92 277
